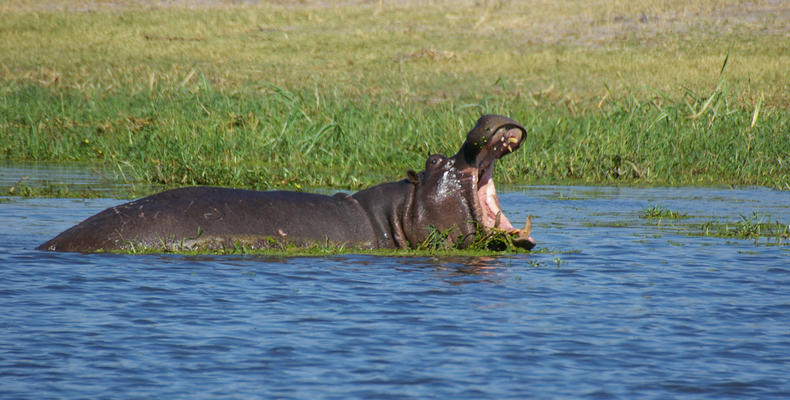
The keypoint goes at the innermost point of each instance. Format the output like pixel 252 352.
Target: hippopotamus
pixel 452 194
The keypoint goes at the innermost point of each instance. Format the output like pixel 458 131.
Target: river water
pixel 622 307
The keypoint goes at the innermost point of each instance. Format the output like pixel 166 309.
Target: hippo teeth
pixel 492 215
pixel 523 238
pixel 511 141
pixel 527 227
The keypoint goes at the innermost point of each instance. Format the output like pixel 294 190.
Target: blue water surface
pixel 622 307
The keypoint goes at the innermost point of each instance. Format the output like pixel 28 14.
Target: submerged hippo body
pixel 455 193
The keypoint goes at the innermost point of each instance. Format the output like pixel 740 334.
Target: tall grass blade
pixel 705 105
pixel 724 65
pixel 756 113
pixel 188 77
pixel 318 136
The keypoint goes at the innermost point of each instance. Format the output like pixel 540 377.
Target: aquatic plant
pixel 752 227
pixel 46 189
pixel 485 243
pixel 659 212
pixel 56 189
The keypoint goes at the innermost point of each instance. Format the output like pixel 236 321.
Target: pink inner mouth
pixel 493 217
pixel 492 214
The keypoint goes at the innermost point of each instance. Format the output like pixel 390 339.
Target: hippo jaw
pixel 491 214
pixel 492 138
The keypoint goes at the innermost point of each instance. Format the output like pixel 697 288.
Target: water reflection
pixel 460 270
pixel 74 177
pixel 74 174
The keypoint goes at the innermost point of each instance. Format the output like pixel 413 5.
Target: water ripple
pixel 627 312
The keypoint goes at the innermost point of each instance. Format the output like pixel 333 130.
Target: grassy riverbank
pixel 347 95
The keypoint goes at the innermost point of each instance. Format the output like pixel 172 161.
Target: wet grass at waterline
pixel 329 250
pixel 56 189
pixel 755 226
pixel 274 138
pixel 751 227
pixel 494 242
pixel 659 212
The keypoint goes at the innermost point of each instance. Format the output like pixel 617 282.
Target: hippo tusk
pixel 523 238
pixel 527 227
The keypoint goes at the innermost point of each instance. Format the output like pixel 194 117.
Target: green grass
pixel 485 243
pixel 287 139
pixel 755 227
pixel 659 212
pixel 320 251
pixel 342 96
pixel 56 189
pixel 752 227
pixel 23 189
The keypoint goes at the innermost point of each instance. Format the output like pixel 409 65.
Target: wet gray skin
pixel 455 194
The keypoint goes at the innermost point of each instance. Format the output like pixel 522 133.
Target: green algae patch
pixel 659 212
pixel 55 190
pixel 751 227
pixel 327 250
pixel 493 242
pixel 755 227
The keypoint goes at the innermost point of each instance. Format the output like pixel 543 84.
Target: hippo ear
pixel 412 176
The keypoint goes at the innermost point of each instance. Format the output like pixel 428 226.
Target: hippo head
pixel 461 188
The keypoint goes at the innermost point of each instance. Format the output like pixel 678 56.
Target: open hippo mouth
pixel 485 149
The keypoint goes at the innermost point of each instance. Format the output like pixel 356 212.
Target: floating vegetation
pixel 659 212
pixel 320 250
pixel 494 242
pixel 48 189
pixel 753 227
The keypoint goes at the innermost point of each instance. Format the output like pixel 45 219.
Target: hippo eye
pixel 434 160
